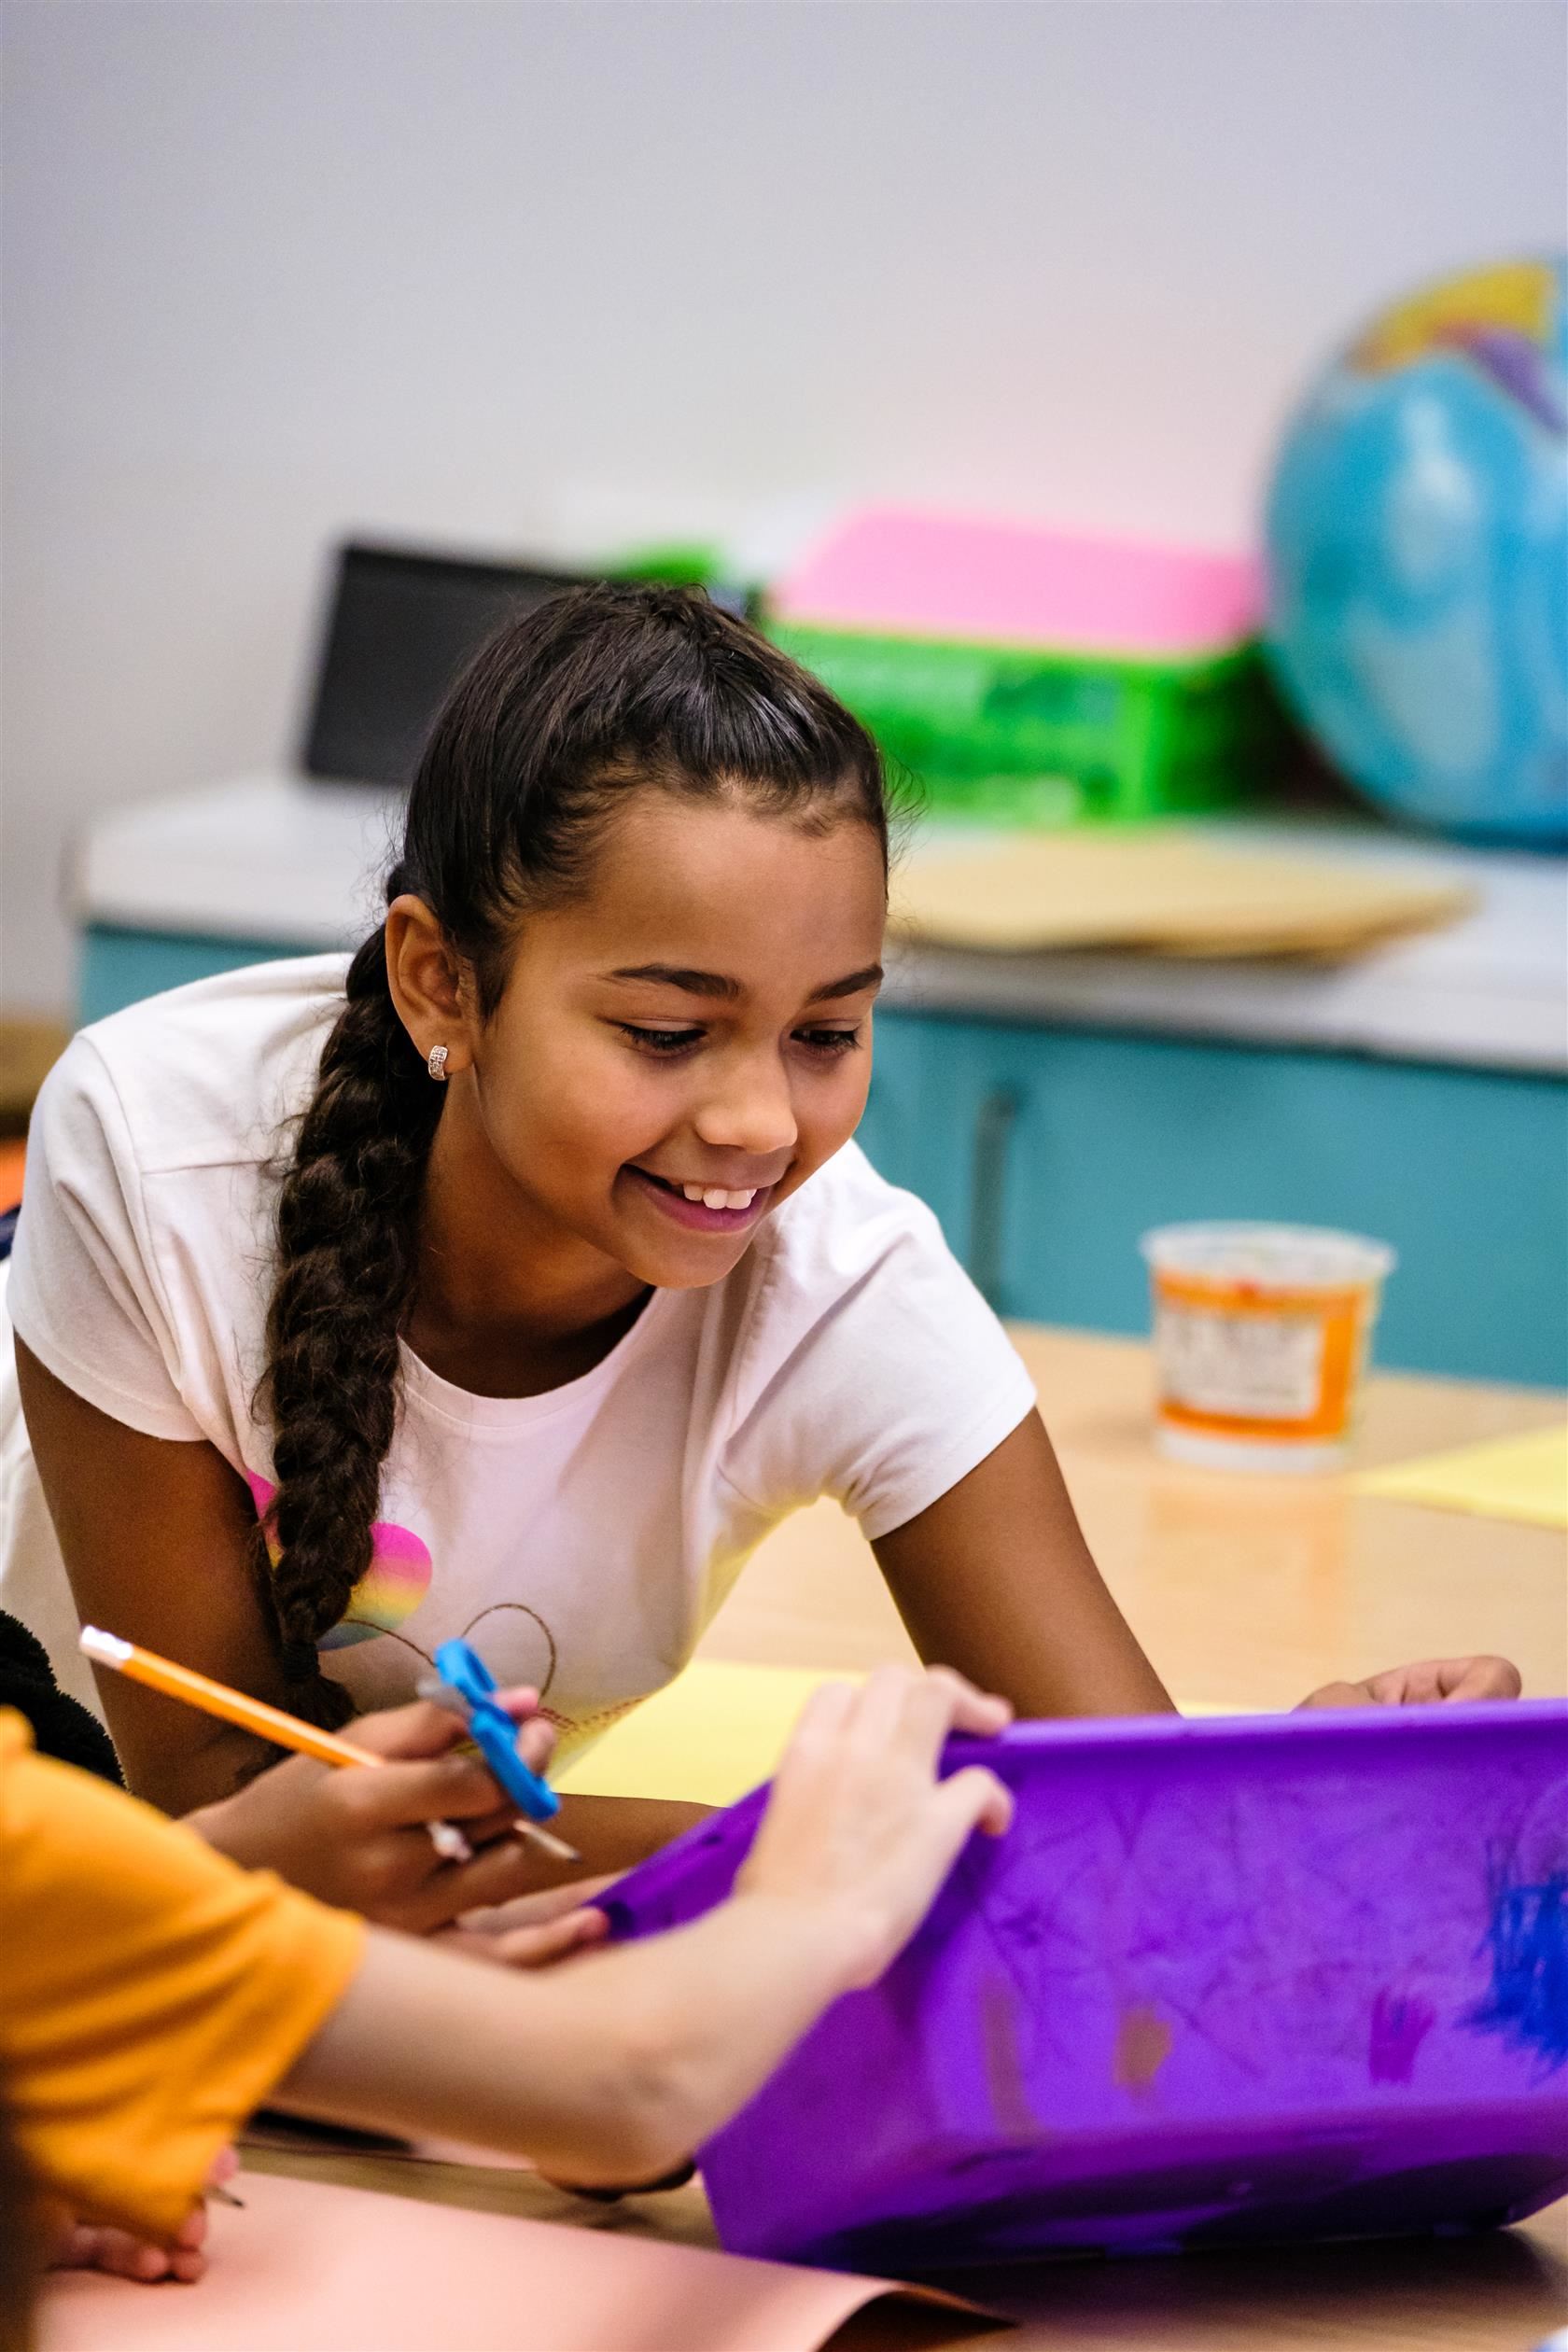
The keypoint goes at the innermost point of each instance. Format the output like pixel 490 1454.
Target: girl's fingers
pixel 1433 1679
pixel 447 1789
pixel 1478 1678
pixel 520 1701
pixel 536 1744
pixel 1340 1694
pixel 421 1729
pixel 537 1735
pixel 1427 1683
pixel 452 1890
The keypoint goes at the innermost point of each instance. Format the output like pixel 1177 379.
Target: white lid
pixel 1274 1257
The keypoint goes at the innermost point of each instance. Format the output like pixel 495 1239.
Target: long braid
pixel 569 711
pixel 347 1229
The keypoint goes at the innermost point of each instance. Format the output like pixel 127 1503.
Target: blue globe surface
pixel 1417 539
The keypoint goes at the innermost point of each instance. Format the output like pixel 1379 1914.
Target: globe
pixel 1417 535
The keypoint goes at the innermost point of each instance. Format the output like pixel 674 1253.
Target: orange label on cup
pixel 1239 1360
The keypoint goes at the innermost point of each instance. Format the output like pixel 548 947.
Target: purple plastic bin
pixel 1294 1976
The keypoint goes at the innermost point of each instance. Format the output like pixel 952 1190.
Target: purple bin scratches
pixel 1527 1941
pixel 1289 1977
pixel 1400 2023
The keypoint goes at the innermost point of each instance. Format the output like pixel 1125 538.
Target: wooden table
pixel 1245 1591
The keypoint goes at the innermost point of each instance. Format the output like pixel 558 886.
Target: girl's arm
pixel 995 1580
pixel 615 2067
pixel 157 1537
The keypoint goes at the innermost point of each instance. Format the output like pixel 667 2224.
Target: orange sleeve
pixel 151 1993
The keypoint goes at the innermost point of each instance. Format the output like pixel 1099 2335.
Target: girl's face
pixel 675 1054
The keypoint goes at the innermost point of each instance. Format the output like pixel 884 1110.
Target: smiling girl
pixel 515 1282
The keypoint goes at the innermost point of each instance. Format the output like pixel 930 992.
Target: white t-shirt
pixel 581 1538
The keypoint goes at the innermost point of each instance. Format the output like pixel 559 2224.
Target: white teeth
pixel 714 1199
pixel 714 1196
pixel 693 1191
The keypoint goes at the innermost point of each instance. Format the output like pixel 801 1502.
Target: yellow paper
pixel 715 1732
pixel 1164 892
pixel 1512 1478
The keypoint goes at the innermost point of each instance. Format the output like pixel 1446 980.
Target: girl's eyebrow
pixel 705 984
pixel 851 985
pixel 715 983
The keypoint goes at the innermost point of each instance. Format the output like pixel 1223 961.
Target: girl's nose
pixel 750 1113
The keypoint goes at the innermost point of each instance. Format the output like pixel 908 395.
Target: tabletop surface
pixel 1246 1592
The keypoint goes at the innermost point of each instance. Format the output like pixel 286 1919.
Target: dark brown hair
pixel 602 692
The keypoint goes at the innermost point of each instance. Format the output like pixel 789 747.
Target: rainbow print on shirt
pixel 389 1592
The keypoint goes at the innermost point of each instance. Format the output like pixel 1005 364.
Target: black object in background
pixel 400 628
pixel 61 1725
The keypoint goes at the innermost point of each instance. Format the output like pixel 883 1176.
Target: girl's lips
pixel 695 1214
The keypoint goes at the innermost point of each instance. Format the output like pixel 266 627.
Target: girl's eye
pixel 829 1041
pixel 658 1040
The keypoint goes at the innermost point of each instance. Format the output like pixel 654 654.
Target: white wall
pixel 557 274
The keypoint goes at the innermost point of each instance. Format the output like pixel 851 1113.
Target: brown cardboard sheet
pixel 1165 892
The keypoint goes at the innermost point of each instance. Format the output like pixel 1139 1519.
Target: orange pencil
pixel 271 1723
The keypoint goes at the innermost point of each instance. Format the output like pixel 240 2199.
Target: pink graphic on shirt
pixel 391 1589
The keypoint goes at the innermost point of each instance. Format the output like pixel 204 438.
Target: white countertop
pixel 278 857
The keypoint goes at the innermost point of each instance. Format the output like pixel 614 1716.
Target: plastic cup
pixel 1261 1333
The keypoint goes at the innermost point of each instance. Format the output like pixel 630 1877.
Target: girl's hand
pixel 857 1828
pixel 1430 1682
pixel 358 1838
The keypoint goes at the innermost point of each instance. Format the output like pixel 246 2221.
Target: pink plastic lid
pixel 933 575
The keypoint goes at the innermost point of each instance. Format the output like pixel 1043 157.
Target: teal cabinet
pixel 117 966
pixel 1047 1150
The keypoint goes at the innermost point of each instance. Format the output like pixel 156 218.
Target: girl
pixel 570 1282
pixel 151 1994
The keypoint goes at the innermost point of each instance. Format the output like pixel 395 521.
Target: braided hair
pixel 603 693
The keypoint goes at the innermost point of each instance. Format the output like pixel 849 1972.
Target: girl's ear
pixel 427 984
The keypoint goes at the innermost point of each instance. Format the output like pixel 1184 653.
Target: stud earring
pixel 436 1063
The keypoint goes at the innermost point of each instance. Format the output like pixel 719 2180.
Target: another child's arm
pixel 995 1580
pixel 150 1993
pixel 618 2066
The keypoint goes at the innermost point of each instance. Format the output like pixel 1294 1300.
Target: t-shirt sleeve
pixel 880 1377
pixel 151 1993
pixel 86 1293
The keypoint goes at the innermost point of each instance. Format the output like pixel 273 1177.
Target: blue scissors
pixel 468 1687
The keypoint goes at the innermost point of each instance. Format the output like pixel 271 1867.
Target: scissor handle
pixel 493 1731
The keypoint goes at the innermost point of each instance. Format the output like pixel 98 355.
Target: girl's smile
pixel 705 1207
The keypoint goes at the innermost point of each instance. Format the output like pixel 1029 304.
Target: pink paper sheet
pixel 307 2268
pixel 933 575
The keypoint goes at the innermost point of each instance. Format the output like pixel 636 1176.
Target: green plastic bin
pixel 1018 735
